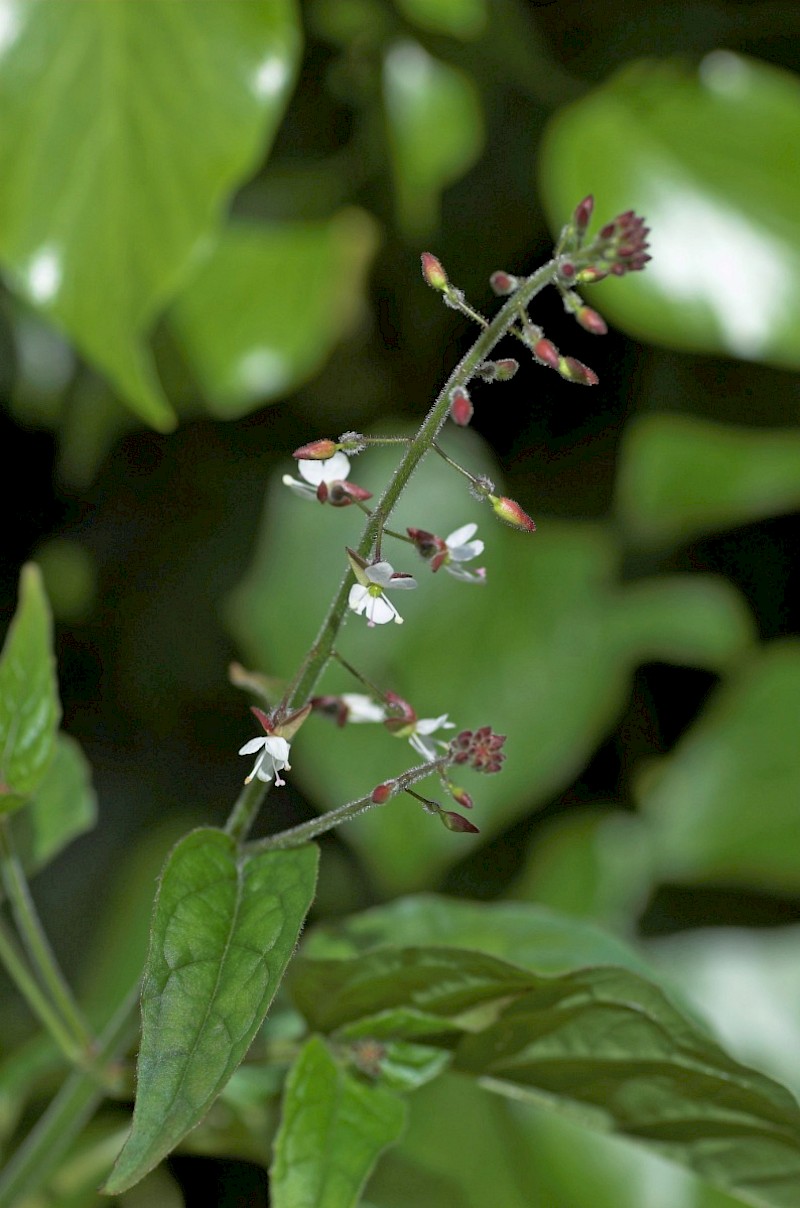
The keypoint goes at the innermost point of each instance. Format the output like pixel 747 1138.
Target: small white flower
pixel 362 708
pixel 273 759
pixel 368 597
pixel 460 548
pixel 334 469
pixel 423 728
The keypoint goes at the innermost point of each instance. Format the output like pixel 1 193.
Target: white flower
pixel 460 548
pixel 367 597
pixel 362 708
pixel 334 469
pixel 273 759
pixel 424 727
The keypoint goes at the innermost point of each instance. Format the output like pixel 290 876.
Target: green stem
pixel 29 988
pixel 376 692
pixel 76 1102
pixel 245 811
pixel 297 835
pixel 37 946
pixel 453 464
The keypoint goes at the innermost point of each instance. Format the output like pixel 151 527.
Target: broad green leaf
pixel 265 309
pixel 224 928
pixel 725 805
pixel 444 984
pixel 62 807
pixel 528 935
pixel 126 126
pixel 593 864
pixel 333 1131
pixel 403 1066
pixel 457 18
pixel 608 1046
pixel 680 476
pixel 521 1156
pixel 564 680
pixel 707 154
pixel 29 707
pixel 435 131
pixel 747 982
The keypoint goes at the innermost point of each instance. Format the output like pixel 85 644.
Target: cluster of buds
pixel 478 749
pixel 619 247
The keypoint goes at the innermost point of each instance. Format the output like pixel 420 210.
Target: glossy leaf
pixel 706 154
pixel 265 309
pixel 435 131
pixel 225 926
pixel 29 706
pixel 564 680
pixel 333 1131
pixel 527 935
pixel 724 805
pixel 63 807
pixel 681 476
pixel 608 1046
pixel 125 128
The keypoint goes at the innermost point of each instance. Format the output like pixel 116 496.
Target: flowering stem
pixel 376 692
pixel 454 464
pixel 297 835
pixel 320 652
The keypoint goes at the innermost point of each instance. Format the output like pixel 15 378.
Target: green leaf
pixel 435 131
pixel 63 807
pixel 224 928
pixel 265 309
pixel 454 18
pixel 680 477
pixel 531 936
pixel 564 680
pixel 333 1131
pixel 707 155
pixel 607 1045
pixel 29 707
pixel 444 984
pixel 747 982
pixel 723 806
pixel 125 128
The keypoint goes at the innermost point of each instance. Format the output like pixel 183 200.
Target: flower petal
pixel 299 488
pixel 254 744
pixel 362 708
pixel 463 553
pixel 333 469
pixel 380 611
pixel 428 725
pixel 379 573
pixel 426 749
pixel 278 748
pixel 460 535
pixel 358 597
pixel 402 581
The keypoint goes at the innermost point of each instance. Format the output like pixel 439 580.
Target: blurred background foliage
pixel 211 216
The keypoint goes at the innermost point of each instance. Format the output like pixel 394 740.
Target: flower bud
pixel 381 793
pixel 566 270
pixel 503 283
pixel 591 321
pixel 318 450
pixel 461 409
pixel 546 353
pixel 573 370
pixel 510 511
pixel 583 214
pixel 455 822
pixel 461 796
pixel 588 276
pixel 505 369
pixel 433 272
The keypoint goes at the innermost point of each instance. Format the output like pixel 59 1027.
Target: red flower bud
pixel 510 511
pixel 591 321
pixel 503 283
pixel 575 371
pixel 461 408
pixel 546 353
pixel 461 796
pixel 318 450
pixel 433 272
pixel 583 214
pixel 455 822
pixel 566 270
pixel 588 276
pixel 381 793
